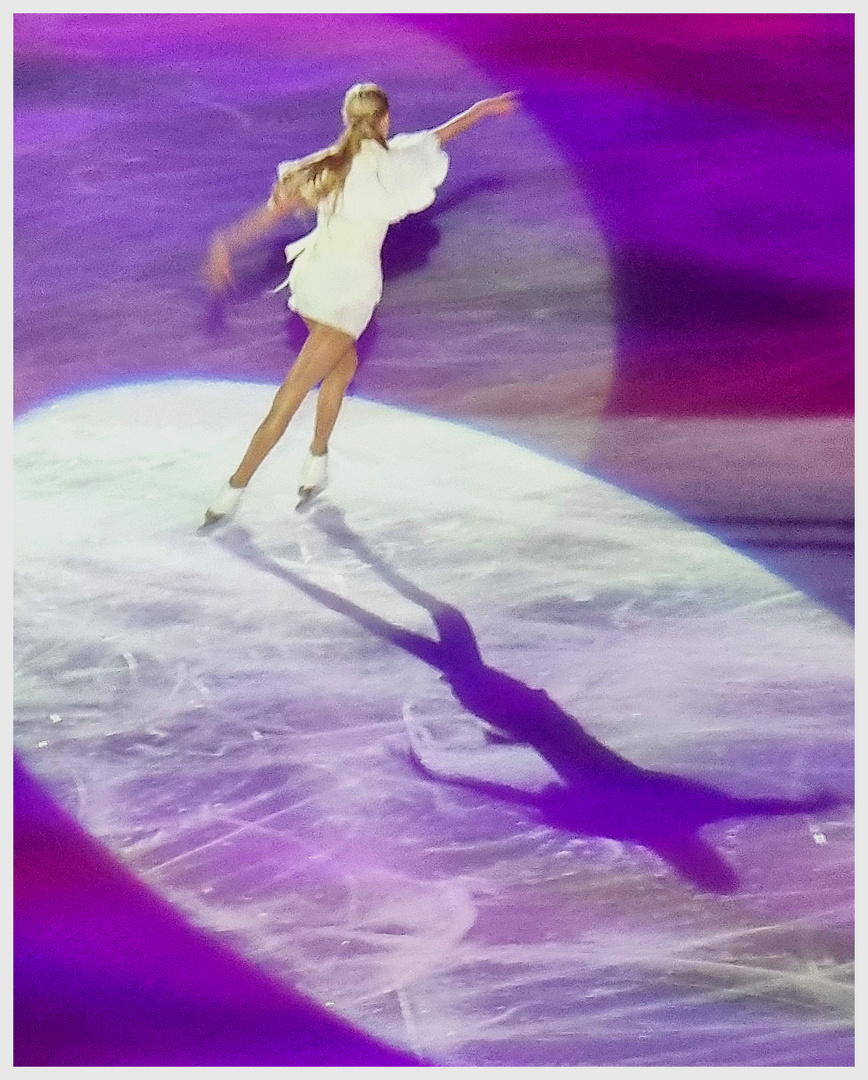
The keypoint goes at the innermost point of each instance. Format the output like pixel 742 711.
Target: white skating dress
pixel 336 276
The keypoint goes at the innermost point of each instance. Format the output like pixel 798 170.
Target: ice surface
pixel 235 714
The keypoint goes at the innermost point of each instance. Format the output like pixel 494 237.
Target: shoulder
pixel 413 140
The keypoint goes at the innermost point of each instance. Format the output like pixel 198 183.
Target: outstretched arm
pixel 217 270
pixel 502 105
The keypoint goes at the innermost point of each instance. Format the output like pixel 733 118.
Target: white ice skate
pixel 224 505
pixel 314 477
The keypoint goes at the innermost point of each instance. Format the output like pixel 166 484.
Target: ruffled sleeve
pixel 390 184
pixel 415 167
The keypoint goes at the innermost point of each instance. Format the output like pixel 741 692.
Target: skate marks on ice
pixel 525 751
pixel 240 743
pixel 592 790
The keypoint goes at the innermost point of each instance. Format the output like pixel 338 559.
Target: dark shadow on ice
pixel 600 793
pixel 409 243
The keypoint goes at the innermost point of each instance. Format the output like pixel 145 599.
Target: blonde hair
pixel 323 174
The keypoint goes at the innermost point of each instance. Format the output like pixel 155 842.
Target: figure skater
pixel 359 186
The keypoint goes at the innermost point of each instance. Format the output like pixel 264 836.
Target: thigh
pixel 324 349
pixel 312 325
pixel 344 369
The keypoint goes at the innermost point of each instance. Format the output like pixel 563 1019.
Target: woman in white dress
pixel 359 186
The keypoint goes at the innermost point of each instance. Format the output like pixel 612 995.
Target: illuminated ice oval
pixel 239 744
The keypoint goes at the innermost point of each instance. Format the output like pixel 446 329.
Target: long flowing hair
pixel 323 174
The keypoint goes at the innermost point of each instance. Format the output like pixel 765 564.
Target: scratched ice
pixel 236 715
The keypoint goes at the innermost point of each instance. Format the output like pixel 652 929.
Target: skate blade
pixel 211 519
pixel 304 497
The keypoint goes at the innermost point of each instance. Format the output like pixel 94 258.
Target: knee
pixel 339 378
pixel 295 389
pixel 287 399
pixel 347 368
pixel 274 425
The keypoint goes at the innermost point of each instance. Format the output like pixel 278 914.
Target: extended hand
pixel 217 269
pixel 502 105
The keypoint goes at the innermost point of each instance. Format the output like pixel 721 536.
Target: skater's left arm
pixel 225 243
pixel 502 105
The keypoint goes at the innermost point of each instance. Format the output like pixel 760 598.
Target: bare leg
pixel 323 349
pixel 330 399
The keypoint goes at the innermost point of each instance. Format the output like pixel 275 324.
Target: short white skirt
pixel 333 285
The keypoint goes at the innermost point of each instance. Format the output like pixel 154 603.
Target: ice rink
pixel 530 741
